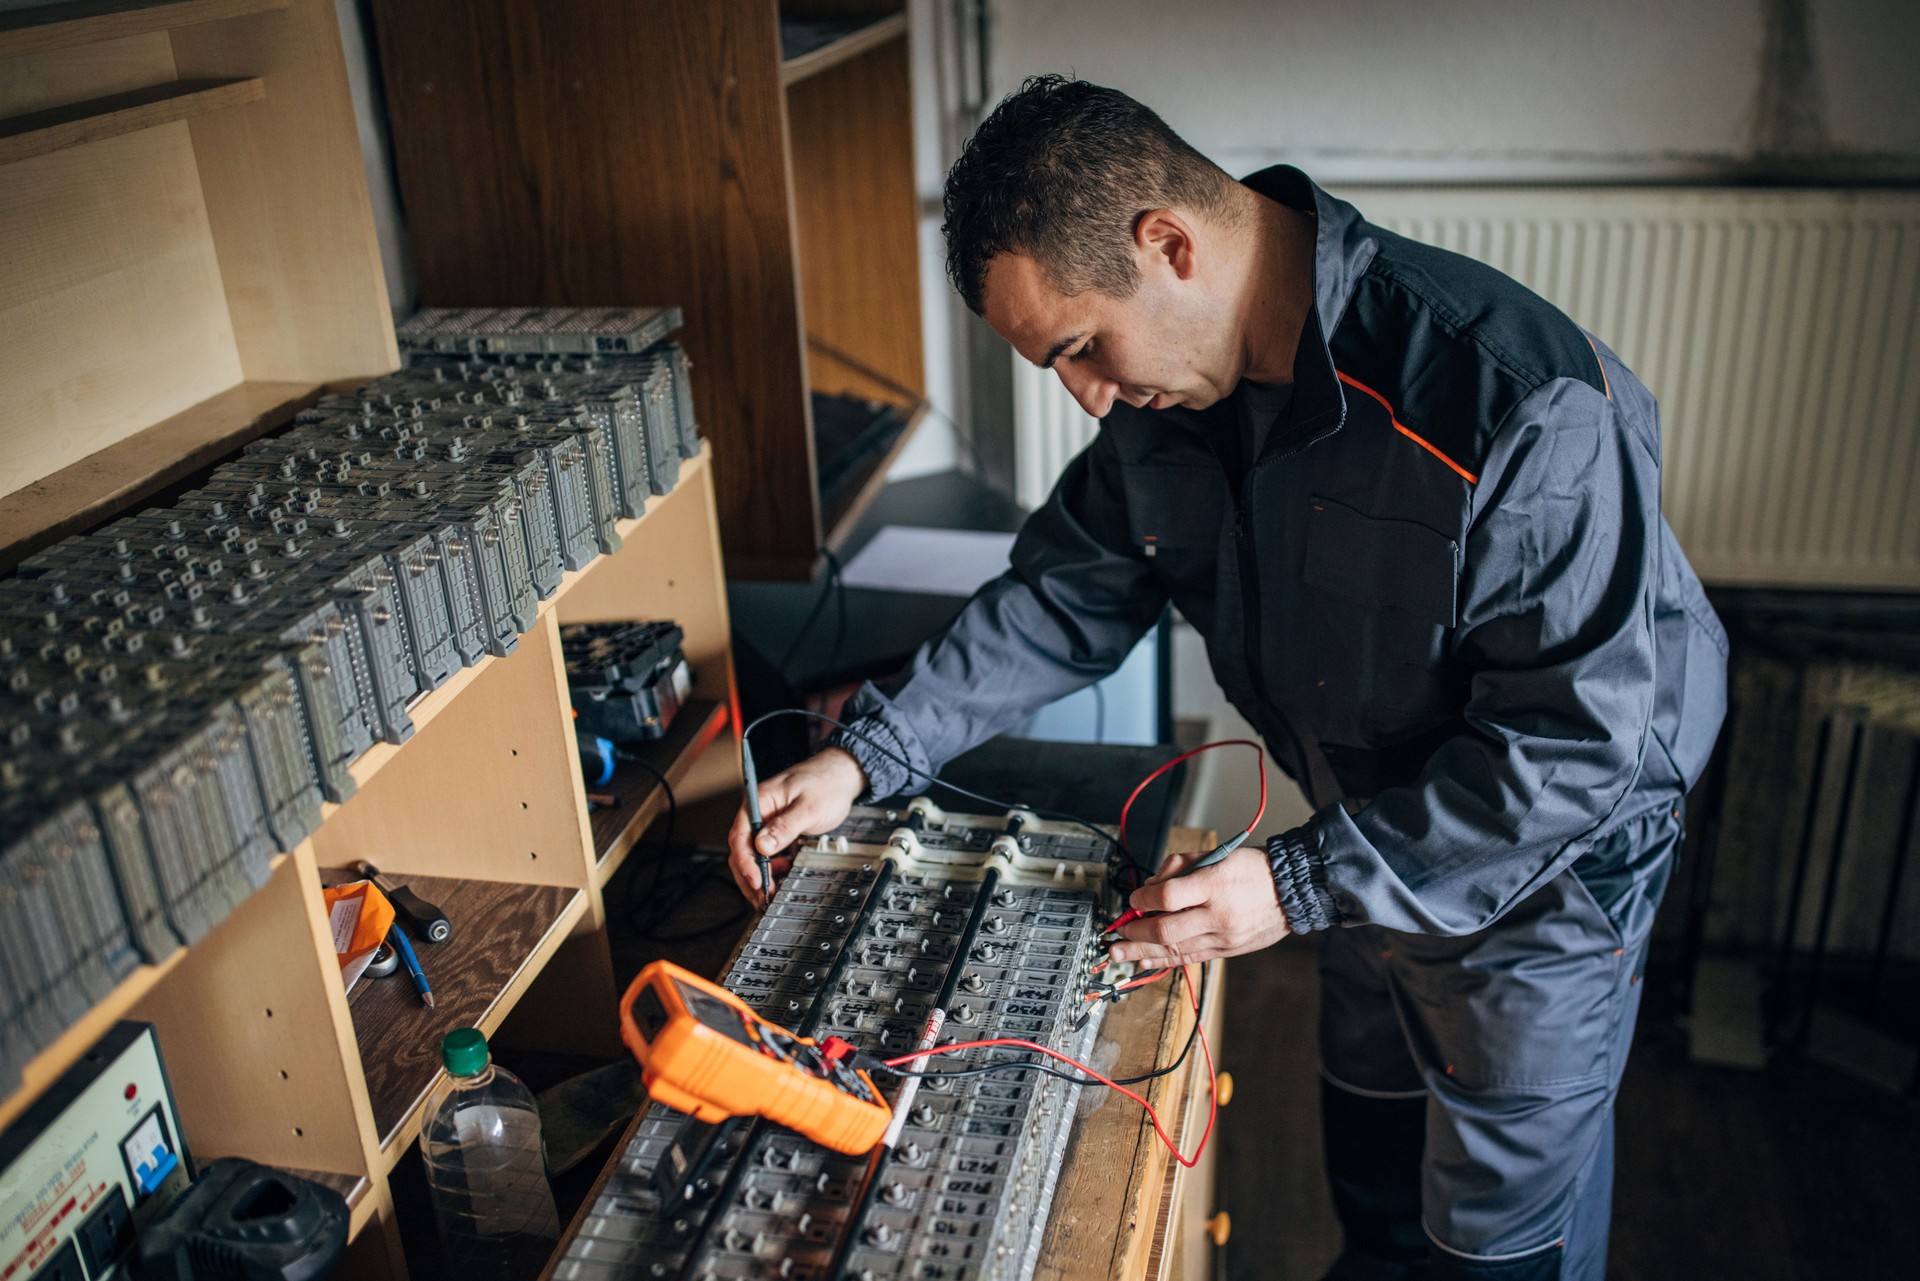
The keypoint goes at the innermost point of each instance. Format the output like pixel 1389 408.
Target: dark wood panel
pixel 573 151
pixel 496 927
pixel 857 216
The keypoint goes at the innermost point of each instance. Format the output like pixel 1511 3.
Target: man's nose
pixel 1095 394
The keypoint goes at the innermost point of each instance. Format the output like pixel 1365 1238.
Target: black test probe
pixel 755 824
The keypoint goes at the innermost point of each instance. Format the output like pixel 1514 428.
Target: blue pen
pixel 398 937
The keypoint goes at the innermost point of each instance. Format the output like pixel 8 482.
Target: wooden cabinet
pixel 190 259
pixel 574 151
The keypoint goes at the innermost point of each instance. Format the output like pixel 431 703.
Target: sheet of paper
pixel 936 562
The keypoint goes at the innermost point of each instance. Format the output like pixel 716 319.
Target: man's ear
pixel 1164 236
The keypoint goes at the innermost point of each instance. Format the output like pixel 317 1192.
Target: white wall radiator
pixel 1779 329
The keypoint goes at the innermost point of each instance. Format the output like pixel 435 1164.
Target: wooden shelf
pixel 810 46
pixel 78 22
pixel 101 485
pixel 503 935
pixel 426 706
pixel 618 828
pixel 185 279
pixel 46 1067
pixel 40 132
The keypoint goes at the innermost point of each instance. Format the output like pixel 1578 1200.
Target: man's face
pixel 1169 344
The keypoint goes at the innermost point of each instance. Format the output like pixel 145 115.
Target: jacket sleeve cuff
pixel 1300 880
pixel 885 747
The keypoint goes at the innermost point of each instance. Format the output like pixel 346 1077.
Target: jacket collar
pixel 1343 248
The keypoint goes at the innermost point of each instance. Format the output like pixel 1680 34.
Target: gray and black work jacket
pixel 1443 592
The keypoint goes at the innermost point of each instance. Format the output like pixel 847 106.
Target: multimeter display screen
pixel 716 1014
pixel 649 1016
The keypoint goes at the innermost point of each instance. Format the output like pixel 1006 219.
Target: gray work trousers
pixel 1470 1081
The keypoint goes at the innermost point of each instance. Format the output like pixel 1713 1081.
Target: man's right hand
pixel 813 796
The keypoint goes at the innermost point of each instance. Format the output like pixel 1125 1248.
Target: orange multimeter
pixel 702 1051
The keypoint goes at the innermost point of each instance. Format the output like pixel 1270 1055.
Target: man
pixel 1414 511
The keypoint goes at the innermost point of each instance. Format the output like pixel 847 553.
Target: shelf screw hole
pixel 523 805
pixel 283 1074
pixel 269 1013
pixel 513 751
pixel 532 854
pixel 299 1133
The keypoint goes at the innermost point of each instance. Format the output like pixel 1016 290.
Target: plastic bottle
pixel 486 1167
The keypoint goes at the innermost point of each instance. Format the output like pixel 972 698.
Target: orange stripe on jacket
pixel 1406 431
pixel 1606 384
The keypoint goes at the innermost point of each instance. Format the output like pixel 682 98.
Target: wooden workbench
pixel 1124 1207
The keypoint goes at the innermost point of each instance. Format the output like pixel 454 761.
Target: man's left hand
pixel 1223 910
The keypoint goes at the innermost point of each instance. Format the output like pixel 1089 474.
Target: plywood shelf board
pixel 103 484
pixel 247 1024
pixel 503 934
pixel 80 22
pixel 47 1066
pixel 856 36
pixel 618 828
pixel 57 128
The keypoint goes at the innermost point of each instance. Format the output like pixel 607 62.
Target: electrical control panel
pixel 94 1161
pixel 966 1195
pixel 181 689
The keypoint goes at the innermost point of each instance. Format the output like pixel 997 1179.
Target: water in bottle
pixel 486 1168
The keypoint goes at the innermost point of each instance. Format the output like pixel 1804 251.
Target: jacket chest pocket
pixel 1175 509
pixel 1382 564
pixel 1393 585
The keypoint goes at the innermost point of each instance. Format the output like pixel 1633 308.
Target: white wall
pixel 1489 90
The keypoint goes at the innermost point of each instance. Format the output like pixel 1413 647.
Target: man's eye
pixel 1086 349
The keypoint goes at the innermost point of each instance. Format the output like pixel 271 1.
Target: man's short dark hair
pixel 1062 171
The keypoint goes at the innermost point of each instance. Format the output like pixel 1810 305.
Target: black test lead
pixel 755 824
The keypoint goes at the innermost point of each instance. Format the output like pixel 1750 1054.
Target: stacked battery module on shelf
pixel 966 1195
pixel 180 689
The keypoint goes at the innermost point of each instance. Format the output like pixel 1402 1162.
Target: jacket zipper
pixel 1250 607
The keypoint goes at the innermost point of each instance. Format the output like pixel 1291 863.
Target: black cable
pixel 838 583
pixel 685 936
pixel 813 615
pixel 637 903
pixel 673 805
pixel 1041 1065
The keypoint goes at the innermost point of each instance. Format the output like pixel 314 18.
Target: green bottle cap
pixel 464 1051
